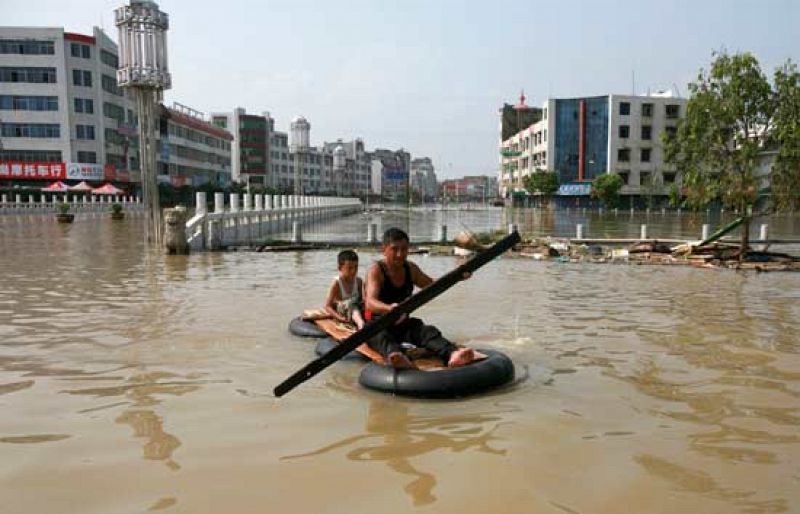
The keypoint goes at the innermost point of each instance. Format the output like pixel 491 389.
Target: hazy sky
pixel 430 75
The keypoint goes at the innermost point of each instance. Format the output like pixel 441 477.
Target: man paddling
pixel 390 281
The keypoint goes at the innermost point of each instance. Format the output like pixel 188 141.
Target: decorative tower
pixel 339 169
pixel 301 131
pixel 143 69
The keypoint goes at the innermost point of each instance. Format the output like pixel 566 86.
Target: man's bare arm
pixel 419 277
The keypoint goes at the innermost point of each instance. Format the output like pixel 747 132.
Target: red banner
pixel 33 170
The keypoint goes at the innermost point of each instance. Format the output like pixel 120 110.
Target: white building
pixel 581 138
pixel 60 104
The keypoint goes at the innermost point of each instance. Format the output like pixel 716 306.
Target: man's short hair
pixel 394 235
pixel 346 256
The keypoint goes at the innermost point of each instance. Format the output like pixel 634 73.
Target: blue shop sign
pixel 579 189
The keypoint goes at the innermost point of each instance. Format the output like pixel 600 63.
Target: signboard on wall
pixel 575 189
pixel 395 175
pixel 85 171
pixel 32 170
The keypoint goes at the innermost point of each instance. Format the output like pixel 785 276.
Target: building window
pixel 645 155
pixel 647 132
pixel 30 155
pixel 87 157
pixel 38 130
pixel 624 175
pixel 84 131
pixel 84 105
pixel 673 111
pixel 109 85
pixel 28 103
pixel 113 111
pixel 647 110
pixel 30 75
pixel 671 131
pixel 644 178
pixel 624 131
pixel 26 47
pixel 624 108
pixel 79 50
pixel 109 59
pixel 82 78
pixel 624 155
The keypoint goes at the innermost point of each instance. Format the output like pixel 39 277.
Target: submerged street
pixel 134 381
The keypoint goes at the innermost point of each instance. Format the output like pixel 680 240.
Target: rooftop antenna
pixel 633 82
pixel 677 91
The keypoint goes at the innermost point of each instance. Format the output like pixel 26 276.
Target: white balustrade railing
pixel 48 203
pixel 230 224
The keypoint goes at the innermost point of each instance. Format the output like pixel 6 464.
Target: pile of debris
pixel 709 253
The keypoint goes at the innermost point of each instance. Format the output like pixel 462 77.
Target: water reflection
pixel 395 436
pixel 685 479
pixel 144 390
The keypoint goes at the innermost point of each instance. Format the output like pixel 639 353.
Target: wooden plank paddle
pixel 409 305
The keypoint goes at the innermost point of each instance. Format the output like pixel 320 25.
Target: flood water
pixel 136 382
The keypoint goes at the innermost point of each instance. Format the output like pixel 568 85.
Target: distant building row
pixel 62 116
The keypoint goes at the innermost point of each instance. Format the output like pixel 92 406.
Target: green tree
pixel 543 182
pixel 728 117
pixel 675 196
pixel 606 188
pixel 785 176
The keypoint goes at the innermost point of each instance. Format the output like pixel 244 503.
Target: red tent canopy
pixel 107 189
pixel 56 187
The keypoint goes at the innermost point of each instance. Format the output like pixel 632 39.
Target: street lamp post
pixel 143 69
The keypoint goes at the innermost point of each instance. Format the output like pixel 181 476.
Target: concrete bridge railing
pixel 47 203
pixel 248 219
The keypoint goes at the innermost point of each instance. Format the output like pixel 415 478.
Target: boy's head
pixel 395 246
pixel 348 263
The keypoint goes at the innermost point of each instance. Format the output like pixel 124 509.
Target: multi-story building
pixel 470 188
pixel 192 151
pixel 394 168
pixel 62 115
pixel 250 148
pixel 423 178
pixel 581 138
pixel 352 169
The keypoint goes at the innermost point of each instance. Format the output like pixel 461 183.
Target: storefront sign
pixel 575 189
pixel 81 171
pixel 32 170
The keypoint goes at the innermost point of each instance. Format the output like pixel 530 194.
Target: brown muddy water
pixel 136 382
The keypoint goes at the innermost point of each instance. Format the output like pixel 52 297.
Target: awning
pixel 107 189
pixel 82 187
pixel 56 187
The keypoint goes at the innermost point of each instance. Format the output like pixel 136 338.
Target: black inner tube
pixel 494 371
pixel 303 328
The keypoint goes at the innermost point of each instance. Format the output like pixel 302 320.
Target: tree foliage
pixel 785 136
pixel 606 188
pixel 729 119
pixel 729 114
pixel 542 182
